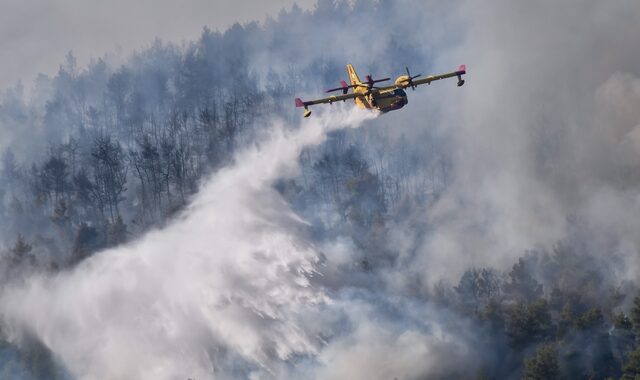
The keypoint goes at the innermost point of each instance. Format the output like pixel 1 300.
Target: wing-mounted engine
pixel 405 81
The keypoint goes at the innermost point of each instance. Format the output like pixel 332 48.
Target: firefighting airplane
pixel 383 99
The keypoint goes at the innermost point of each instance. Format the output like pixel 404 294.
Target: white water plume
pixel 219 290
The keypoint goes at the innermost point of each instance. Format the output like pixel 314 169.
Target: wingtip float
pixel 367 95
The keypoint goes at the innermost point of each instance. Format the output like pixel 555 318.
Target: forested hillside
pixel 96 156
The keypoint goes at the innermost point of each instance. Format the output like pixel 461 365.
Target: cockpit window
pixel 399 92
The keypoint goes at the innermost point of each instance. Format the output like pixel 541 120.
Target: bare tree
pixel 109 173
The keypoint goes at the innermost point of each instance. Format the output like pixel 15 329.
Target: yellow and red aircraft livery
pixel 383 99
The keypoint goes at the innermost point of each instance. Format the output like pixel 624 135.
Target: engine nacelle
pixel 403 81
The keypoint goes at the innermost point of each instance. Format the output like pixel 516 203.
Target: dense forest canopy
pixel 483 232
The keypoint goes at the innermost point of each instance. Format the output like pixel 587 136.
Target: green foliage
pixel 622 322
pixel 593 319
pixel 544 365
pixel 529 323
pixel 522 285
pixel 631 370
pixel 493 316
pixel 567 319
pixel 478 287
pixel 635 315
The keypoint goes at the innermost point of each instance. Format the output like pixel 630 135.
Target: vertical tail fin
pixel 352 74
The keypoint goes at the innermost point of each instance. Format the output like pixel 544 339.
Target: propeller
pixel 411 78
pixel 343 87
pixel 369 83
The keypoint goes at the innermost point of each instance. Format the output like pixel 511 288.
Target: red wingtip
pixel 462 68
pixel 299 102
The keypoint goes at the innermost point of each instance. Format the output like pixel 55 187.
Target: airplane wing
pixel 458 73
pixel 431 78
pixel 330 99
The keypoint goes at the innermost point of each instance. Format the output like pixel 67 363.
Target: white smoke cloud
pixel 395 339
pixel 543 134
pixel 226 283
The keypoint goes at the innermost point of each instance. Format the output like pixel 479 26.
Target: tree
pixel 116 232
pixel 21 252
pixel 635 315
pixel 529 323
pixel 593 319
pixel 119 93
pixel 54 175
pixel 109 173
pixel 208 122
pixel 544 365
pixel 87 241
pixel 622 337
pixel 478 287
pixel 522 284
pixel 631 370
pixel 148 169
pixel 622 322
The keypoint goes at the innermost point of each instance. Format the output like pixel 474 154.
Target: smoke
pixel 542 141
pixel 220 290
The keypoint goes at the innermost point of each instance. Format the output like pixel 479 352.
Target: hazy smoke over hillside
pixel 270 272
pixel 225 285
pixel 233 288
pixel 545 139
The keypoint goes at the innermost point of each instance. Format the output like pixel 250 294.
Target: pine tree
pixel 631 370
pixel 21 252
pixel 635 315
pixel 544 365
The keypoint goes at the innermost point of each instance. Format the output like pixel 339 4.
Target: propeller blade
pixel 364 85
pixel 411 78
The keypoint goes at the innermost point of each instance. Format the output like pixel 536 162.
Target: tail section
pixel 352 75
pixel 361 101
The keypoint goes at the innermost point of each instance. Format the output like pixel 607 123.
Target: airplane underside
pixel 394 106
pixel 384 102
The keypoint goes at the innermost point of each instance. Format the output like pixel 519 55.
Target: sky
pixel 36 35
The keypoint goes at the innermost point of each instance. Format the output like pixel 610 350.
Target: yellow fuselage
pixel 372 98
pixel 383 101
